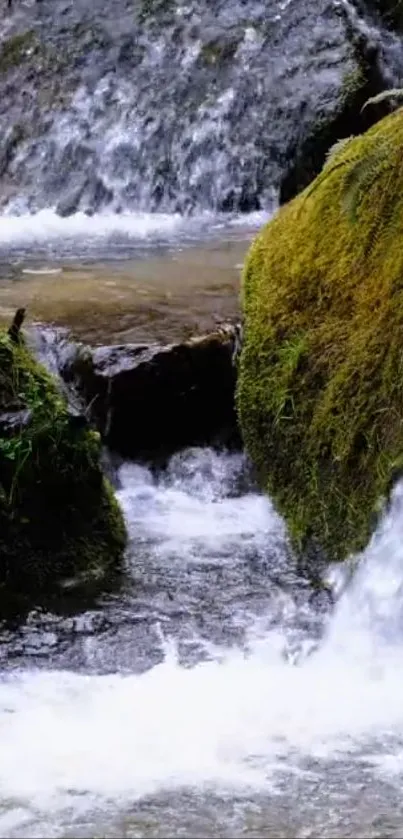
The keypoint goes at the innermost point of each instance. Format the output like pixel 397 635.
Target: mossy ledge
pixel 59 519
pixel 320 389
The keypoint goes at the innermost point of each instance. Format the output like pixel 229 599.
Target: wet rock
pixel 148 401
pixel 8 148
pixel 69 203
pixel 166 106
pixel 14 421
pixel 390 11
pixel 315 385
pixel 59 519
pixel 348 118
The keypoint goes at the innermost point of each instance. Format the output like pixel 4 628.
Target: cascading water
pixel 216 697
pixel 212 692
pixel 128 117
pixel 167 106
pixel 184 106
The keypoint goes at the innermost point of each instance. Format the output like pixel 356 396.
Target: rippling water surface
pixel 212 694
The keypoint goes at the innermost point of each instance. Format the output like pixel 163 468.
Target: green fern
pixel 361 177
pixel 392 93
pixel 362 172
pixel 335 149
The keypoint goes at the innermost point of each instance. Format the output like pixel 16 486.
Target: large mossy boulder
pixel 58 516
pixel 320 390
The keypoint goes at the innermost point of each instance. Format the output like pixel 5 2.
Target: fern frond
pixel 325 173
pixel 360 178
pixel 392 93
pixel 336 148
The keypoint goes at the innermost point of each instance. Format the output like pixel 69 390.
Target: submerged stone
pixel 58 516
pixel 320 389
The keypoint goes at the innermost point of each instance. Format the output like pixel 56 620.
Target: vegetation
pixel 58 516
pixel 320 391
pixel 154 9
pixel 15 49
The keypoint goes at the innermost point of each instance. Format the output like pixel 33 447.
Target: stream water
pixel 212 694
pixel 114 279
pixel 209 692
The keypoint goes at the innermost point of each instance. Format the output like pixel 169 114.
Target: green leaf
pixel 392 93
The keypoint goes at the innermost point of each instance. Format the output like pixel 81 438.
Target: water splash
pixel 112 235
pixel 243 716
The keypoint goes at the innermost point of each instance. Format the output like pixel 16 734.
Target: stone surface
pixel 148 401
pixel 167 106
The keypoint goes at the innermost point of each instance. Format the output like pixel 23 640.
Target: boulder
pixel 320 387
pixel 148 401
pixel 59 519
pixel 348 118
pixel 390 11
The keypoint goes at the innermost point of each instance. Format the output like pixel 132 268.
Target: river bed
pixel 161 291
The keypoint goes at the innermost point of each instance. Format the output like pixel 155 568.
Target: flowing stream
pixel 209 691
pixel 214 694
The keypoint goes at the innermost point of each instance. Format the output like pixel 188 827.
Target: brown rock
pixel 148 401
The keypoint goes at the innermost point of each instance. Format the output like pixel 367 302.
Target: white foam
pixel 226 722
pixel 221 723
pixel 189 514
pixel 48 227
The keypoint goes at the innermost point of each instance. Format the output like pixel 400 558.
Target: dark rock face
pixel 391 12
pixel 148 401
pixel 348 118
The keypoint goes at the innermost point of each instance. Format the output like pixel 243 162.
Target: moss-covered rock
pixel 320 391
pixel 58 515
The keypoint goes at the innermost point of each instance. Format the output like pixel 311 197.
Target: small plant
pixel 58 515
pixel 362 171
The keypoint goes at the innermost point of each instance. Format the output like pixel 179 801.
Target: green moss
pixel 58 515
pixel 354 81
pixel 151 9
pixel 320 391
pixel 15 49
pixel 219 50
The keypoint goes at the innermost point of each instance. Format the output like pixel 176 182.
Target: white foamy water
pixel 71 742
pixel 190 514
pixel 46 228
